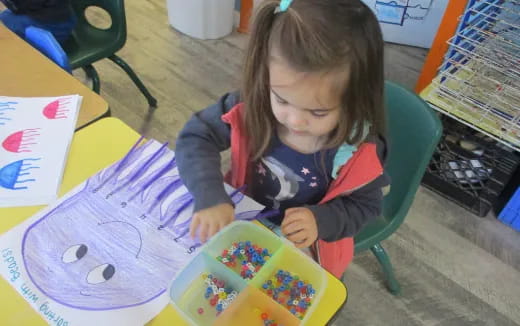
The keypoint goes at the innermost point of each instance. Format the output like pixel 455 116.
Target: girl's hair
pixel 317 36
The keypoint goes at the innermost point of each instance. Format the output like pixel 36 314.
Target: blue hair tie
pixel 284 5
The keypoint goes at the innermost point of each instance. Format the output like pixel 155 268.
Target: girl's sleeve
pixel 345 216
pixel 198 149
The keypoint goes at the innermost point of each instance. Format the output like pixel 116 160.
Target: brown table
pixel 25 72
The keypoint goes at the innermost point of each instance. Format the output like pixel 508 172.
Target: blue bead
pixel 219 307
pixel 248 243
pixel 207 295
pixel 293 311
pixel 265 286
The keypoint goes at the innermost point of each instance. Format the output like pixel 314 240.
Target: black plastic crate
pixel 469 168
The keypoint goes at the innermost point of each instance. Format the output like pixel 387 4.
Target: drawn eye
pixel 74 253
pixel 101 273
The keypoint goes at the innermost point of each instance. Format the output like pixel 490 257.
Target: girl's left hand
pixel 299 226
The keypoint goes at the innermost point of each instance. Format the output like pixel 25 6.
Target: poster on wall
pixel 410 22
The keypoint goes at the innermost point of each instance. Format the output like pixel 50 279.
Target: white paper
pixel 35 136
pixel 106 252
pixel 411 22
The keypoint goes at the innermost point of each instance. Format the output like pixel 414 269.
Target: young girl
pixel 305 132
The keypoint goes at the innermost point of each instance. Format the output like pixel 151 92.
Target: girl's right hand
pixel 210 220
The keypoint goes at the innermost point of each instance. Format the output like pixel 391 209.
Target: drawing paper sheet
pixel 35 135
pixel 412 22
pixel 106 252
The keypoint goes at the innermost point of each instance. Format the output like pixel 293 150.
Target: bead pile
pixel 245 258
pixel 267 321
pixel 290 292
pixel 217 293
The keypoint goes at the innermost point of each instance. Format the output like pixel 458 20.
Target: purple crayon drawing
pixel 119 240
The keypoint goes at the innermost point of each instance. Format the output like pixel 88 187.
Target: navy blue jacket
pixel 42 10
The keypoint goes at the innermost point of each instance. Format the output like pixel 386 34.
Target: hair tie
pixel 283 6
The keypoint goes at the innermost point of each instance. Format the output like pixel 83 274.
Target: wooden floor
pixel 454 268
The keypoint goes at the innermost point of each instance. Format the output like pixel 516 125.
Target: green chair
pixel 413 133
pixel 90 44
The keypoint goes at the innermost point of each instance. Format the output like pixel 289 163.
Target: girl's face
pixel 304 104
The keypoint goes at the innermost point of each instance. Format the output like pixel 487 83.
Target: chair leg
pixel 384 260
pixel 91 73
pixel 121 63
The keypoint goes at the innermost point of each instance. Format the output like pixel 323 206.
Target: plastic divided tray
pixel 188 288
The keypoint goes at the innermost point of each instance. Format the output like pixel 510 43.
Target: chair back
pixel 89 43
pixel 413 133
pixel 46 43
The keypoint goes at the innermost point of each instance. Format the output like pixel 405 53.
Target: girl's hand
pixel 299 226
pixel 210 220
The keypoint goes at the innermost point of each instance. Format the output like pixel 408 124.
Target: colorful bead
pixel 289 291
pixel 218 294
pixel 266 321
pixel 200 311
pixel 247 256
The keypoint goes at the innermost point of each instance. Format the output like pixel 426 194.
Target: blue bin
pixel 510 215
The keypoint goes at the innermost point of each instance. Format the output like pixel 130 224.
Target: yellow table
pixel 26 72
pixel 94 148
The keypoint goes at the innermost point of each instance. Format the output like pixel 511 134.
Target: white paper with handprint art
pixel 105 253
pixel 35 136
